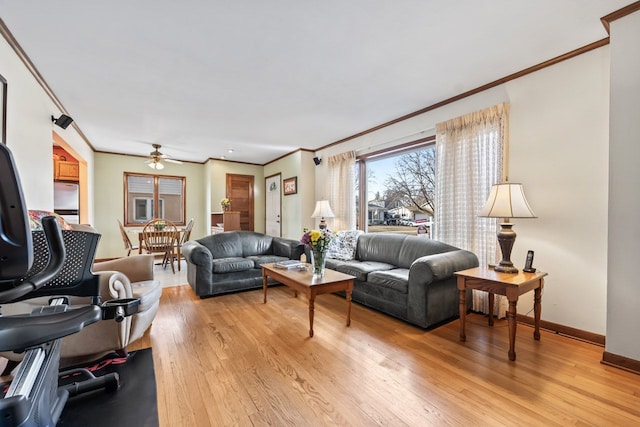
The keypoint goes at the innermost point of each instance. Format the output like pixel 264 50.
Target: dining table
pixel 177 243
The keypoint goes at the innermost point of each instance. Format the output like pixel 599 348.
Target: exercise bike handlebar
pixel 57 254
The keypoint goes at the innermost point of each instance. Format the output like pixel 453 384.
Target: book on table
pixel 292 263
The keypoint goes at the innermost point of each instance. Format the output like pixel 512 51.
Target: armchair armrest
pixel 137 268
pixel 289 248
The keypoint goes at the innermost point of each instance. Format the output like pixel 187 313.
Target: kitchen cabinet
pixel 66 171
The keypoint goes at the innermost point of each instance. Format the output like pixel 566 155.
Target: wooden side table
pixel 509 285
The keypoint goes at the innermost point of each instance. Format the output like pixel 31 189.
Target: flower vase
pixel 318 259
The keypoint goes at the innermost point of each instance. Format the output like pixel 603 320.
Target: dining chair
pixel 184 238
pixel 128 246
pixel 161 236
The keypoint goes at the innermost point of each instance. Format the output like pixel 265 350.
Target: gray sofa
pixel 408 277
pixel 231 261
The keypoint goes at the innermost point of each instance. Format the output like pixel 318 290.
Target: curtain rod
pixel 421 132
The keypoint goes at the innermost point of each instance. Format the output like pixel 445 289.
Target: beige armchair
pixel 138 270
pixel 130 277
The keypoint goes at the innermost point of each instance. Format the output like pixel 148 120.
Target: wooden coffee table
pixel 303 281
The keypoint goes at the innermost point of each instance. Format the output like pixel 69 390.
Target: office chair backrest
pixel 75 277
pixel 16 256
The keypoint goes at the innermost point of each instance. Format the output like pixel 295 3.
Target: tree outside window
pixel 399 189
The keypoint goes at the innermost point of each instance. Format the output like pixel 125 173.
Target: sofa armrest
pixel 289 248
pixel 432 294
pixel 198 255
pixel 137 268
pixel 443 265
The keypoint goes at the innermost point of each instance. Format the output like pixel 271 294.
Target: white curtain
pixel 342 195
pixel 470 158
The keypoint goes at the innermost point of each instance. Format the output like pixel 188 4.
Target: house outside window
pixel 154 196
pixel 397 188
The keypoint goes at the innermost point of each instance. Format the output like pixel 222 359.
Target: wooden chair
pixel 161 236
pixel 185 238
pixel 128 246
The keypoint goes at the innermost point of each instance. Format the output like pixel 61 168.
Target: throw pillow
pixel 35 220
pixel 343 247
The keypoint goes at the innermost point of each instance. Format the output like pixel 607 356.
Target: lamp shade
pixel 322 210
pixel 507 201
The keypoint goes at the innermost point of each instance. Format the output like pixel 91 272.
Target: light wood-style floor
pixel 234 361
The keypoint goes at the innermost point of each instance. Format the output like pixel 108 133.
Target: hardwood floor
pixel 232 360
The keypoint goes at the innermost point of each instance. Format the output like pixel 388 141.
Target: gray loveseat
pixel 231 261
pixel 408 277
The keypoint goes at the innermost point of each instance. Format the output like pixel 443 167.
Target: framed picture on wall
pixel 290 186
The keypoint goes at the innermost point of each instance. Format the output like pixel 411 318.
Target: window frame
pixel 361 165
pixel 158 203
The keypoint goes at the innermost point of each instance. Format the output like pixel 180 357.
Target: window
pixel 397 190
pixel 143 209
pixel 153 196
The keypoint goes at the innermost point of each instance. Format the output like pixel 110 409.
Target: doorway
pixel 273 226
pixel 240 191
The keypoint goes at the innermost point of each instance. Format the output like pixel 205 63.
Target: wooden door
pixel 240 192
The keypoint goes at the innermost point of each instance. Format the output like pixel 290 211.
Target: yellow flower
pixel 314 235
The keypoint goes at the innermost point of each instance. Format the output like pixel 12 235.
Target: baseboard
pixel 565 330
pixel 621 362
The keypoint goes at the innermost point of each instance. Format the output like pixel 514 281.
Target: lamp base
pixel 505 268
pixel 506 239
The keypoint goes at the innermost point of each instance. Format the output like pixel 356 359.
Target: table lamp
pixel 322 210
pixel 506 201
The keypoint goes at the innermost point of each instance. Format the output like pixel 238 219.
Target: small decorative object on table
pixel 318 242
pixel 159 225
pixel 226 204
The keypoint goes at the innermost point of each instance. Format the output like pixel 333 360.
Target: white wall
pixel 29 132
pixel 559 142
pixel 623 333
pixel 296 208
pixel 109 188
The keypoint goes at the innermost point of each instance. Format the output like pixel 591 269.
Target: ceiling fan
pixel 155 158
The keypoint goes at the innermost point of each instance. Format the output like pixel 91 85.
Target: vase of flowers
pixel 226 204
pixel 317 241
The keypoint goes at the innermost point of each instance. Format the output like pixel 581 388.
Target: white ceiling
pixel 268 77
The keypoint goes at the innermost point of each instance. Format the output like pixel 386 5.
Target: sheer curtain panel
pixel 471 153
pixel 342 195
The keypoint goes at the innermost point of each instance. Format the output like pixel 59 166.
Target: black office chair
pixel 34 398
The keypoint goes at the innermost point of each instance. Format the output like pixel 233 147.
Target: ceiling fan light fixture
pixel 156 165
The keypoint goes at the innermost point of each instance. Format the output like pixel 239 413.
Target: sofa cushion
pixel 258 260
pixel 396 279
pixel 223 245
pixel 343 247
pixel 231 265
pixel 380 247
pixel 360 269
pixel 255 243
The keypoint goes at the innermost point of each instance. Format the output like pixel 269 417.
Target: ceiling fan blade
pixel 178 162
